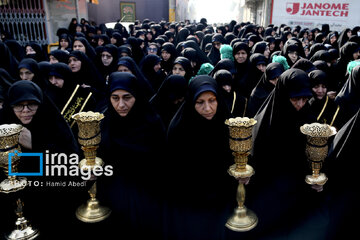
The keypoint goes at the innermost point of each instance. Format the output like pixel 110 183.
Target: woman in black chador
pixel 348 98
pixel 322 107
pixel 132 138
pixel 344 207
pixel 169 97
pixel 241 53
pixel 151 68
pixel 201 190
pixel 44 130
pixel 264 87
pixel 235 102
pixel 86 74
pixel 278 193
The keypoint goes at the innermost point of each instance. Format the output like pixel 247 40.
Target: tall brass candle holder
pixel 240 141
pixel 89 137
pixel 9 144
pixel 9 159
pixel 317 136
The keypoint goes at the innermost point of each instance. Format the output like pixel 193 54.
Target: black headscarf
pixel 278 127
pixel 188 135
pixel 143 81
pixel 348 97
pixel 89 50
pixel 60 95
pixel 39 55
pixel 147 67
pixel 263 89
pixel 242 70
pixel 107 70
pixel 33 66
pixel 173 88
pixel 322 109
pixel 88 73
pixel 167 65
pixel 304 64
pixel 185 63
pixel 16 49
pixel 214 54
pixel 55 137
pixel 60 55
pixel 226 64
pixel 119 39
pixel 8 61
pixel 235 103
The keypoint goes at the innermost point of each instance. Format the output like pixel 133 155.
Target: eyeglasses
pixel 20 107
pixel 152 49
pixel 106 56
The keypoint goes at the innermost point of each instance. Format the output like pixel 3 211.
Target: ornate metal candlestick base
pixel 92 211
pixel 23 229
pixel 321 179
pixel 240 142
pixel 13 184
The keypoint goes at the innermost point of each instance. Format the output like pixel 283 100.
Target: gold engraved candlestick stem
pixel 240 142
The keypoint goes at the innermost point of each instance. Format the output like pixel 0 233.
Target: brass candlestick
pixel 317 136
pixel 9 144
pixel 9 159
pixel 23 231
pixel 240 141
pixel 89 137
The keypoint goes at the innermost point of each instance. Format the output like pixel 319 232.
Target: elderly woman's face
pixel 122 101
pixel 206 105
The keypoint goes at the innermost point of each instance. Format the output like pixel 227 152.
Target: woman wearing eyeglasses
pixel 44 127
pixel 152 49
pixel 108 60
pixel 44 131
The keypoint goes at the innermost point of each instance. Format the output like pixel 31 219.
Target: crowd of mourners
pixel 166 89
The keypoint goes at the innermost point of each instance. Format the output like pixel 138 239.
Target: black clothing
pixel 279 195
pixel 343 205
pixel 173 88
pixel 133 146
pixel 142 80
pixel 8 61
pixel 167 65
pixel 242 70
pixel 214 54
pixel 147 67
pixel 348 98
pixel 263 89
pixel 322 109
pixel 235 103
pixel 60 55
pixel 198 205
